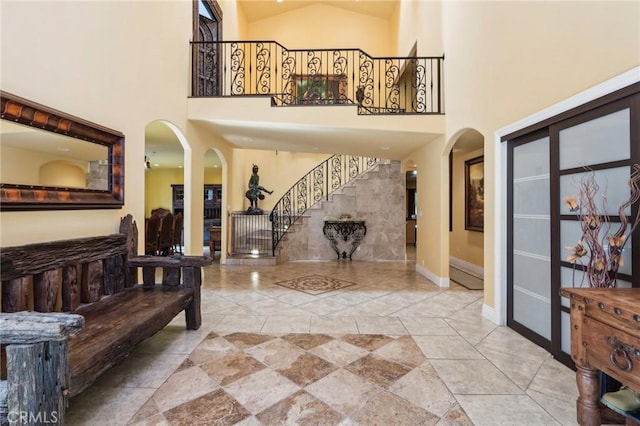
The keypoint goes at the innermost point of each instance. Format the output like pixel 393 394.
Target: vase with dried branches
pixel 601 245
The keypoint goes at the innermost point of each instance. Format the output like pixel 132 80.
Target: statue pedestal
pixel 346 230
pixel 254 210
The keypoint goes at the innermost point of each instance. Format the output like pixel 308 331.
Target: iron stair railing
pixel 324 179
pixel 389 85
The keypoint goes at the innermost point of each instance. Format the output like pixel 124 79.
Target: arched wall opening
pixel 215 202
pixel 411 186
pixel 165 169
pixel 466 209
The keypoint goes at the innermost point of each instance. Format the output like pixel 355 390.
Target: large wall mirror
pixel 52 160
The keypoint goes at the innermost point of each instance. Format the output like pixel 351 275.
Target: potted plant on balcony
pixel 600 254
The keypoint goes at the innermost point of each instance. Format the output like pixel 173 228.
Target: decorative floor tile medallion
pixel 315 284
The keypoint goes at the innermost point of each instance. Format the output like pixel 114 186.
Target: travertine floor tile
pixel 339 352
pixel 183 386
pixel 261 390
pixel 446 347
pixel 492 410
pixel 300 408
pixel 331 390
pixel 392 348
pixel 333 324
pixel 423 387
pixel 476 377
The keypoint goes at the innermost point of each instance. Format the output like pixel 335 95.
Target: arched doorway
pixel 411 181
pixel 466 205
pixel 213 206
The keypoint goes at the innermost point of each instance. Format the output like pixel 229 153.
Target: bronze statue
pixel 255 192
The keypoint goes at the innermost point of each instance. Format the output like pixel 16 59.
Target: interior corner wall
pixel 234 21
pixel 463 244
pixel 420 23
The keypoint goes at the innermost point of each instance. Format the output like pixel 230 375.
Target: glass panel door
pixel 546 163
pixel 593 152
pixel 531 254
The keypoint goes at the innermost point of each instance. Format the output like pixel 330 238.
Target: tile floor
pixel 391 349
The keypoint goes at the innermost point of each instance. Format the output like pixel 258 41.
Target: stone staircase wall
pixel 378 197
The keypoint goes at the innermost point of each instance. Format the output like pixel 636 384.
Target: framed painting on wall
pixel 474 194
pixel 320 89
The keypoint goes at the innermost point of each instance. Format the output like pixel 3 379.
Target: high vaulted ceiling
pixel 255 10
pixel 163 148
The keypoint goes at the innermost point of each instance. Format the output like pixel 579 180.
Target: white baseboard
pixel 469 268
pixel 491 314
pixel 439 281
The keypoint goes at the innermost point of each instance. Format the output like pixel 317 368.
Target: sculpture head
pixel 255 168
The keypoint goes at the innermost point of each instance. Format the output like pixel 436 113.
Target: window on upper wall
pixel 207 35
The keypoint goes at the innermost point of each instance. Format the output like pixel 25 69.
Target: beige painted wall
pixel 524 56
pixel 112 70
pixel 325 26
pixel 464 245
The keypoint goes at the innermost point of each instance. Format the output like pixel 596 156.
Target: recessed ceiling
pixel 255 10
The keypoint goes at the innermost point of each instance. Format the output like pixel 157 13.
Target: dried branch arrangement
pixel 601 245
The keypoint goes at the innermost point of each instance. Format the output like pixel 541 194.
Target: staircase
pixel 377 196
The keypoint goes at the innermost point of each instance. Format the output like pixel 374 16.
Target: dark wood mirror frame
pixel 32 197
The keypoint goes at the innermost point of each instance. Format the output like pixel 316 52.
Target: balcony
pixel 320 77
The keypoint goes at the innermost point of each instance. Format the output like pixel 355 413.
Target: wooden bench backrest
pixel 58 276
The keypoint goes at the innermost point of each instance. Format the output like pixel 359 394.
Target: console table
pixel 345 230
pixel 605 336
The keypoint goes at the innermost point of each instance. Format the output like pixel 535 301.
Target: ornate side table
pixel 605 336
pixel 346 230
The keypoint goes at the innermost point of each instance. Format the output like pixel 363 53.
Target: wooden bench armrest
pixel 172 268
pixel 31 327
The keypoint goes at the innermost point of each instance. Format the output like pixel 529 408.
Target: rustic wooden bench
pixel 96 278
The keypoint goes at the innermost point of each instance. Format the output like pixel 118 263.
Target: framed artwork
pixel 474 194
pixel 319 89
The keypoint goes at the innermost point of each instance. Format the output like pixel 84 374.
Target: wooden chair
pixel 177 233
pixel 151 234
pixel 165 240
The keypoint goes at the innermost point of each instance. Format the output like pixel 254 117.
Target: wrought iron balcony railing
pixel 410 85
pixel 324 179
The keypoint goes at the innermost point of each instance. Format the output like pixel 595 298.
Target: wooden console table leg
pixel 587 405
